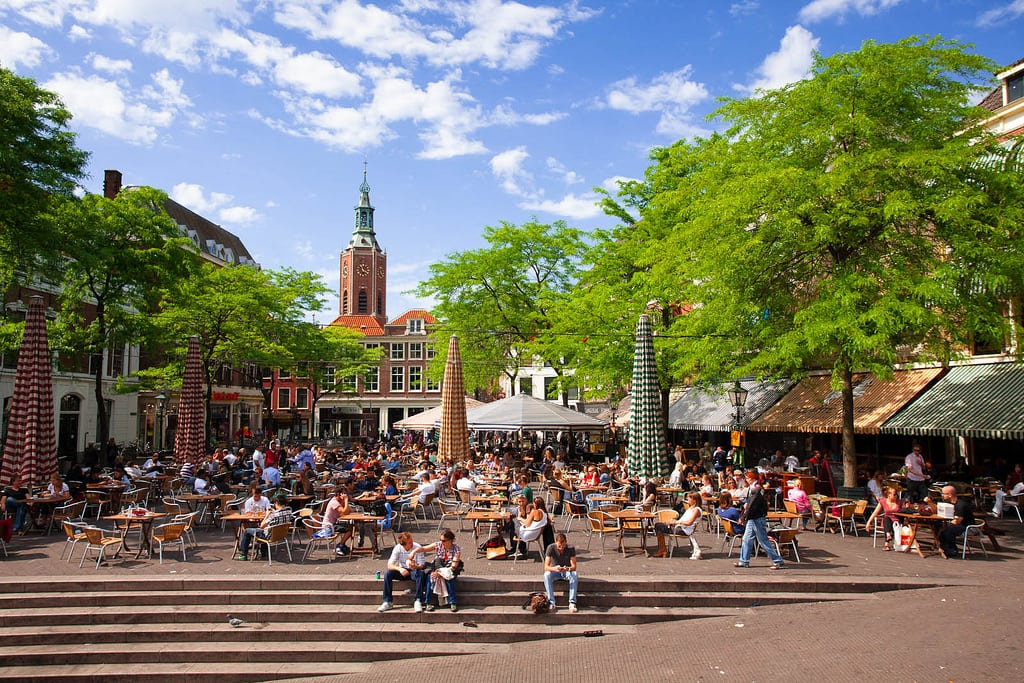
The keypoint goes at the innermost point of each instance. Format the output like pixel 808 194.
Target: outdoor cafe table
pixel 240 521
pixel 41 507
pixel 364 522
pixel 931 522
pixel 784 516
pixel 112 488
pixel 645 519
pixel 201 503
pixel 490 501
pixel 145 522
pixel 485 517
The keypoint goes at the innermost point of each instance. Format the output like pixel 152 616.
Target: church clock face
pixel 363 269
pixel 380 272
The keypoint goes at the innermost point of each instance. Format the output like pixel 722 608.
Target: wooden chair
pixel 842 515
pixel 97 540
pixel 573 511
pixel 66 513
pixel 311 527
pixel 786 537
pixel 95 500
pixel 75 533
pixel 730 536
pixel 600 524
pixel 449 511
pixel 277 535
pixel 188 519
pixel 166 534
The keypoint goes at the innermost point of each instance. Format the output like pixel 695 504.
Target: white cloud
pixel 113 66
pixel 820 10
pixel 114 108
pixel 17 48
pixel 494 33
pixel 788 64
pixel 743 7
pixel 215 205
pixel 612 184
pixel 77 32
pixel 568 177
pixel 1003 13
pixel 507 167
pixel 573 206
pixel 671 93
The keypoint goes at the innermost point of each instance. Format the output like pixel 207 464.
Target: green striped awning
pixel 981 401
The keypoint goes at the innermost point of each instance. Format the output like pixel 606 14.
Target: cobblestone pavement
pixel 966 631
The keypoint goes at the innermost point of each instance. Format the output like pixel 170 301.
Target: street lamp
pixel 161 410
pixel 738 399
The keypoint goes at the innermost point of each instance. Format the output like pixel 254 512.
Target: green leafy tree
pixel 329 359
pixel 849 221
pixel 241 316
pixel 499 299
pixel 40 166
pixel 117 252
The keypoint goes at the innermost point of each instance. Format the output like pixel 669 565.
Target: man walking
pixel 756 518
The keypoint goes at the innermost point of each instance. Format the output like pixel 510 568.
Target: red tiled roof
pixel 366 324
pixel 994 100
pixel 415 313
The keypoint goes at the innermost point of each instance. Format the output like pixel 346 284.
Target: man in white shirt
pixel 917 479
pixel 465 483
pixel 257 458
pixel 257 502
pixel 426 489
pixel 405 565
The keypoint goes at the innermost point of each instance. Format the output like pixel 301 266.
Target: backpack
pixel 537 603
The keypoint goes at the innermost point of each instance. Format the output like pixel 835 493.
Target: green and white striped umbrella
pixel 647 457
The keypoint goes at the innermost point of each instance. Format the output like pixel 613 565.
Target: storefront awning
pixel 813 407
pixel 710 410
pixel 983 401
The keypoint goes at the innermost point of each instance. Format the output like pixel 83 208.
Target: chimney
pixel 111 183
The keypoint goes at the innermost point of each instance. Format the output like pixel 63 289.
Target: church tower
pixel 364 266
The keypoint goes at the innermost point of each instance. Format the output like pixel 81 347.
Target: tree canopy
pixel 849 221
pixel 39 166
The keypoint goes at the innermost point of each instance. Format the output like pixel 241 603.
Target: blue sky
pixel 259 115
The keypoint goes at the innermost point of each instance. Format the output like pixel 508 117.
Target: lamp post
pixel 738 399
pixel 161 410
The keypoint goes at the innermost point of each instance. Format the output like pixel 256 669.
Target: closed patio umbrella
pixel 190 438
pixel 647 457
pixel 31 446
pixel 453 442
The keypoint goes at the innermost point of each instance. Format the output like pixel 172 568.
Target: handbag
pixel 496 553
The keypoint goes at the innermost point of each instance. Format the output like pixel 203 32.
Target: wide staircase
pixel 177 629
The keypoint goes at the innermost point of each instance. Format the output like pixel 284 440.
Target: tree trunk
pixel 102 419
pixel 849 448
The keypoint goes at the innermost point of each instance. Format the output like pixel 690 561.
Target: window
pixel 433 385
pixel 327 380
pixel 115 361
pixel 95 363
pixel 429 348
pixel 415 378
pixel 1015 87
pixel 371 382
pixel 415 350
pixel 398 379
pixel 397 351
pixel 301 397
pixel 344 302
pixel 415 326
pixel 363 303
pixel 348 384
pixel 284 398
pixel 525 385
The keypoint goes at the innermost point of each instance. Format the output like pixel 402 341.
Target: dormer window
pixel 1015 87
pixel 415 326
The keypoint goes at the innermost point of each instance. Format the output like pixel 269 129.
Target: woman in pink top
pixel 798 497
pixel 888 507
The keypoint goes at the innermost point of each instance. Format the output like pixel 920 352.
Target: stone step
pixel 204 672
pixel 752 582
pixel 186 616
pixel 348 598
pixel 307 650
pixel 487 628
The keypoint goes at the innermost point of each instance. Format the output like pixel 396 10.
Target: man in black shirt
pixel 963 516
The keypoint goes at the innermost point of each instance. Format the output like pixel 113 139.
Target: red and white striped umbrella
pixel 31 447
pixel 453 443
pixel 190 438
